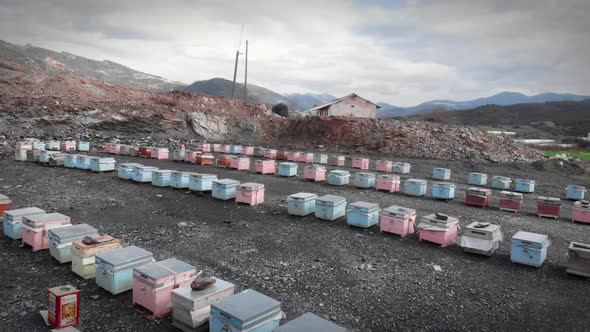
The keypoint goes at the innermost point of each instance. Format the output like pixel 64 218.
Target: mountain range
pixel 39 64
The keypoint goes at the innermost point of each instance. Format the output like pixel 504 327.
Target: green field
pixel 577 154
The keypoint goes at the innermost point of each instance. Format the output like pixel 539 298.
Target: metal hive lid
pixel 228 182
pixel 162 171
pixel 331 198
pixel 340 172
pixel 366 174
pixel 130 165
pixel 530 237
pixel 73 231
pixel 23 212
pixel 417 181
pixel 176 266
pixel 483 227
pixel 548 199
pixel 364 205
pixel 247 305
pixel 124 255
pixel 146 168
pixel 510 194
pixel 399 209
pixel 303 195
pixel 309 323
pixel 154 271
pixel 435 217
pixel 525 180
pixel 442 169
pixel 47 217
pixel 288 164
pixel 444 184
pixel 189 296
pixel 479 190
pixel 252 185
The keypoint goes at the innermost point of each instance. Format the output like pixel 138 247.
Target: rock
pixel 202 282
pixel 182 224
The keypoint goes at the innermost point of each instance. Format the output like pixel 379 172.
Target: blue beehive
pixel 319 158
pixel 338 177
pixel 301 204
pixel 143 173
pixel 501 182
pixel 201 182
pixel 575 192
pixel 246 311
pixel 330 207
pixel 102 164
pixel 362 214
pixel 415 187
pixel 364 180
pixel 52 145
pixel 83 146
pixel 236 149
pixel 38 145
pixel 443 190
pixel 529 248
pixel 114 269
pixel 224 189
pixel 287 169
pixel 161 177
pixel 125 170
pixel 83 162
pixel 178 154
pixel 524 185
pixel 71 161
pixel 441 173
pixel 401 168
pixel 45 154
pixel 179 179
pixel 12 221
pixel 309 323
pixel 477 179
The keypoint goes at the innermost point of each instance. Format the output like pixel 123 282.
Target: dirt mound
pixel 67 107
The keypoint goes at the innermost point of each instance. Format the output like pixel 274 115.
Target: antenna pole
pixel 246 75
pixel 233 88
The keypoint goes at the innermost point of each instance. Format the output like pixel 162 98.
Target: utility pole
pixel 246 76
pixel 233 89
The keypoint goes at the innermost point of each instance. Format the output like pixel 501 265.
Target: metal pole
pixel 246 76
pixel 233 89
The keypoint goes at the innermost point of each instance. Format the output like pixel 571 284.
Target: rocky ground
pixel 361 279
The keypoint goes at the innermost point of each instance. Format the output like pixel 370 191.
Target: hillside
pixel 567 118
pixel 41 64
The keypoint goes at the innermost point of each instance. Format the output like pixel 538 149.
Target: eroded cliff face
pixel 65 107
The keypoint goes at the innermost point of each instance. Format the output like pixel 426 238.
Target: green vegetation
pixel 577 154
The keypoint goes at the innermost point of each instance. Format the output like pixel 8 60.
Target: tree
pixel 281 109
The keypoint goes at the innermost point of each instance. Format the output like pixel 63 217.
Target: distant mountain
pixel 41 64
pixel 305 101
pixel 502 99
pixel 569 118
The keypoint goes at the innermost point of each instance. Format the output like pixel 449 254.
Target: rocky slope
pixel 67 107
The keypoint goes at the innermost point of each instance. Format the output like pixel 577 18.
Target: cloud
pixel 401 52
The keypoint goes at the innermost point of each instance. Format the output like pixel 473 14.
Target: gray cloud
pixel 401 52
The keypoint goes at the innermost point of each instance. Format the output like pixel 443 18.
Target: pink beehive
pixel 293 156
pixel 315 173
pixel 250 193
pixel 204 147
pixel 160 153
pixel 384 166
pixel 581 212
pixel 270 154
pixel 439 228
pixel 306 157
pixel 68 145
pixel 389 183
pixel 266 166
pixel 360 163
pixel 224 148
pixel 240 164
pixel 36 228
pixel 190 156
pixel 116 149
pixel 216 147
pixel 23 145
pixel 248 150
pixel 153 284
pixel 397 220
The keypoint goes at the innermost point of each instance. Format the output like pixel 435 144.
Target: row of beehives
pixel 478 237
pixel 161 287
pixel 52 145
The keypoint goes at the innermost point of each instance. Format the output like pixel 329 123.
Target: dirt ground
pixel 361 279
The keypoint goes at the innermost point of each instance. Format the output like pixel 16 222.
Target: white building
pixel 350 106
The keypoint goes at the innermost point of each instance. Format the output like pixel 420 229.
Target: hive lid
pixel 478 174
pixel 582 204
pixel 440 218
pixel 125 255
pixel 79 230
pixel 444 184
pixel 288 164
pixel 176 266
pixel 364 205
pixel 399 209
pixel 303 195
pixel 530 237
pixel 204 175
pixel 500 178
pixel 10 214
pixel 154 271
pixel 417 181
pixel 103 159
pixel 384 161
pixel 331 198
pixel 510 194
pixel 442 169
pixel 309 323
pixel 340 172
pixel 479 190
pixel 161 171
pixel 483 226
pixel 252 185
pixel 366 174
pixel 575 187
pixel 401 164
pixel 130 165
pixel 189 296
pixel 4 199
pixel 146 168
pixel 525 180
pixel 228 182
pixel 548 199
pixel 579 247
pixel 46 217
pixel 247 305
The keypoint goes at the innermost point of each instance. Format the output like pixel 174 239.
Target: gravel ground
pixel 361 279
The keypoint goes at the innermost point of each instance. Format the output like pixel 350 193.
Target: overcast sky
pixel 401 52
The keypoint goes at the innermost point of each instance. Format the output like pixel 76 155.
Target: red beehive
pixel 478 196
pixel 4 204
pixel 63 306
pixel 205 159
pixel 224 161
pixel 282 155
pixel 510 201
pixel 548 207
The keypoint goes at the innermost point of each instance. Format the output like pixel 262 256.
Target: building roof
pixel 338 100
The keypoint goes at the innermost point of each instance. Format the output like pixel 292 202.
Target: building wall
pixel 353 107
